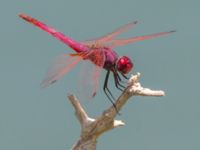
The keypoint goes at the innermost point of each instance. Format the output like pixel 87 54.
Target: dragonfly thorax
pixel 110 58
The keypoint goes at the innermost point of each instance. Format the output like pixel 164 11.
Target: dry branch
pixel 91 128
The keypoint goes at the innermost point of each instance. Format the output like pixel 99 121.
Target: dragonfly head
pixel 124 65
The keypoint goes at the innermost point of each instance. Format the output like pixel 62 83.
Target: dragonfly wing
pixel 90 72
pixel 61 65
pixel 78 47
pixel 111 35
pixel 120 42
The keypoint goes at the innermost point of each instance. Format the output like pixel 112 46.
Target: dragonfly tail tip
pixel 21 15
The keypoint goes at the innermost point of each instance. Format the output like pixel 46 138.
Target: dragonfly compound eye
pixel 124 65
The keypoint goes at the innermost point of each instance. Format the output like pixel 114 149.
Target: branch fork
pixel 91 128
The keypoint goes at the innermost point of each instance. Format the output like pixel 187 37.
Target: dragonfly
pixel 99 51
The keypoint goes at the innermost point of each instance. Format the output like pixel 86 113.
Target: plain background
pixel 33 118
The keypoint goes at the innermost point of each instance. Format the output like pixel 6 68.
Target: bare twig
pixel 91 128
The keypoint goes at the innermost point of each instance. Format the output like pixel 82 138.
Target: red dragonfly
pixel 98 51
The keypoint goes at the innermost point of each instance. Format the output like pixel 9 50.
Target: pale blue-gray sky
pixel 34 118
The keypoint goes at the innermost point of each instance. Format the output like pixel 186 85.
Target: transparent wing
pixel 90 72
pixel 120 42
pixel 111 35
pixel 60 67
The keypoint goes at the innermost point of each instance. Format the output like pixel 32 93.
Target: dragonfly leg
pixel 106 89
pixel 120 80
pixel 117 81
pixel 124 76
pixel 118 86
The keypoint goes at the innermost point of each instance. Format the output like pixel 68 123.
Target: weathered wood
pixel 91 128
